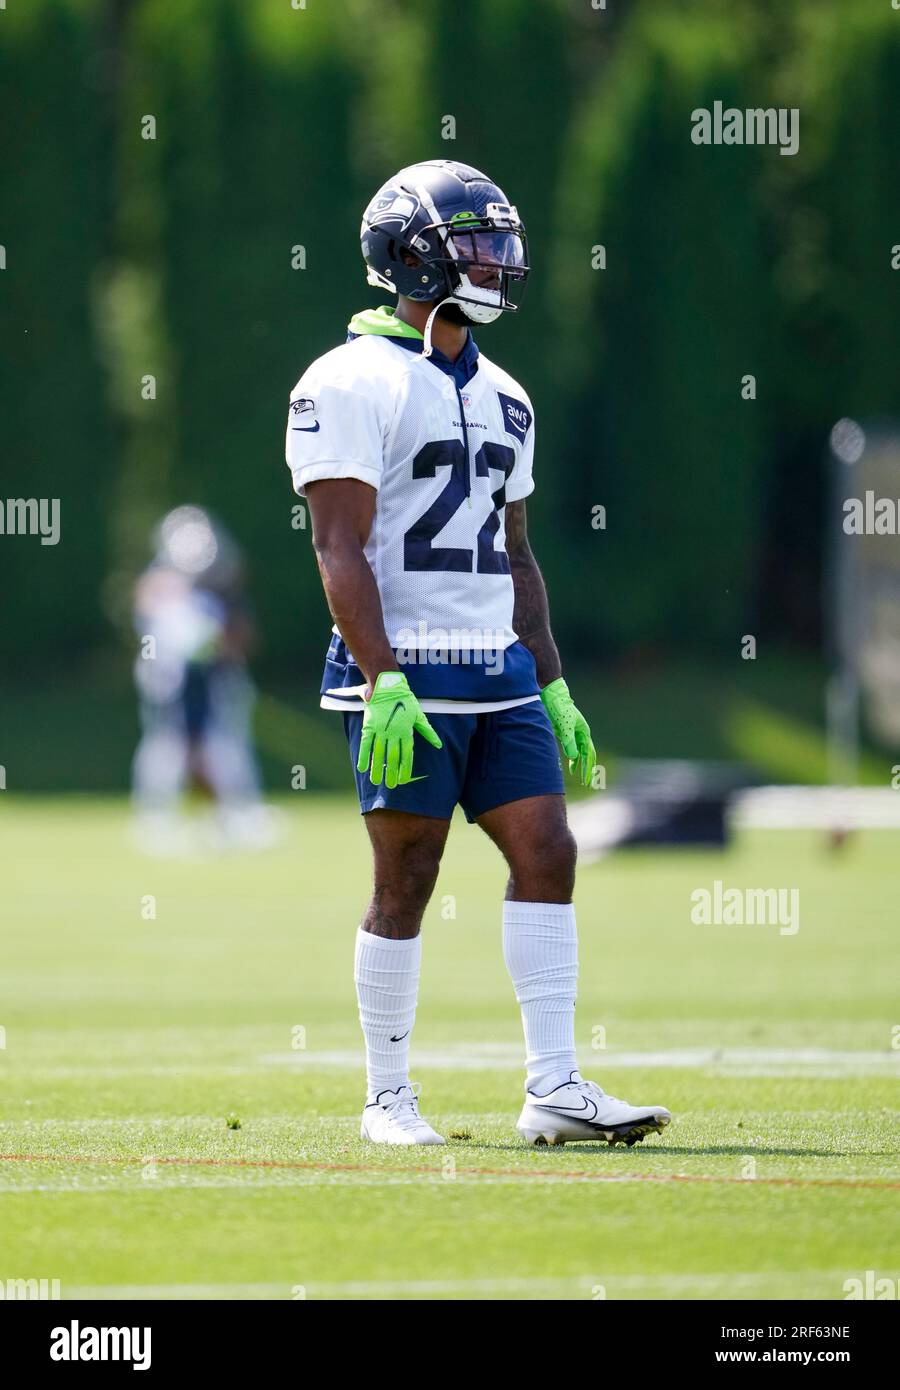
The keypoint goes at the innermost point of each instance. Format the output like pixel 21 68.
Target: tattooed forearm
pixel 531 614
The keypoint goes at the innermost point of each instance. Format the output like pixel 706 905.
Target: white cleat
pixel 581 1110
pixel 393 1118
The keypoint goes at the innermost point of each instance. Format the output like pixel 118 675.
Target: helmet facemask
pixel 485 261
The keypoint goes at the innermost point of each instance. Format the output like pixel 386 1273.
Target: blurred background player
pixel 196 696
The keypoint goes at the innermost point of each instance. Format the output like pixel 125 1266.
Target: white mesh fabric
pixel 375 408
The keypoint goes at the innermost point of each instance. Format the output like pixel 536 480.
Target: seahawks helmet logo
pixel 393 211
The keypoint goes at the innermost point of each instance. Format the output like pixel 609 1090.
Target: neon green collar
pixel 382 321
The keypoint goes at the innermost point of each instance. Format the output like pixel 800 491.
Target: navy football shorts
pixel 486 760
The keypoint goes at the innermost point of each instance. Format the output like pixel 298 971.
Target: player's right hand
pixel 392 715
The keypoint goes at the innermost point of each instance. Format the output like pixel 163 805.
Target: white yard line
pixel 748 1061
pixel 793 1283
pixel 819 1062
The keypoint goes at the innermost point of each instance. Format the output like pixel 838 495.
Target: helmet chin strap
pixel 427 349
pixel 475 313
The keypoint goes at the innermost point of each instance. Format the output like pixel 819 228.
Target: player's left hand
pixel 571 728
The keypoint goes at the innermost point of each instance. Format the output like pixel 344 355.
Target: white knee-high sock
pixel 540 947
pixel 387 986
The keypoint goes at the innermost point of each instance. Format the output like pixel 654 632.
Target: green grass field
pixel 130 1038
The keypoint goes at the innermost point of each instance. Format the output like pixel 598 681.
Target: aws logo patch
pixel 516 416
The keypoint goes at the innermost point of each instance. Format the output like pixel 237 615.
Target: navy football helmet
pixel 468 240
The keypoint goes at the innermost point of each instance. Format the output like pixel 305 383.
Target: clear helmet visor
pixel 497 249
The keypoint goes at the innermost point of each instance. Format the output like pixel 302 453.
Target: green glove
pixel 571 729
pixel 392 715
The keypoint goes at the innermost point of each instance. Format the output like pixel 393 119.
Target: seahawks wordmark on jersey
pixel 445 449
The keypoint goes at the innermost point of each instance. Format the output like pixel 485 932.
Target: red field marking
pixel 300 1164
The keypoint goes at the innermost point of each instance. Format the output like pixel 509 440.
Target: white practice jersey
pixel 444 461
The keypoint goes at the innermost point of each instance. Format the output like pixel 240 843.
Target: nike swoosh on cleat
pixel 579 1112
pixel 401 1037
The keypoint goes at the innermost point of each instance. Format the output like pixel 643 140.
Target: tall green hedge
pixel 56 428
pixel 656 345
pixel 171 257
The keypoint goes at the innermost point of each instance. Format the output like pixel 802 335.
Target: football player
pixel 196 695
pixel 415 452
